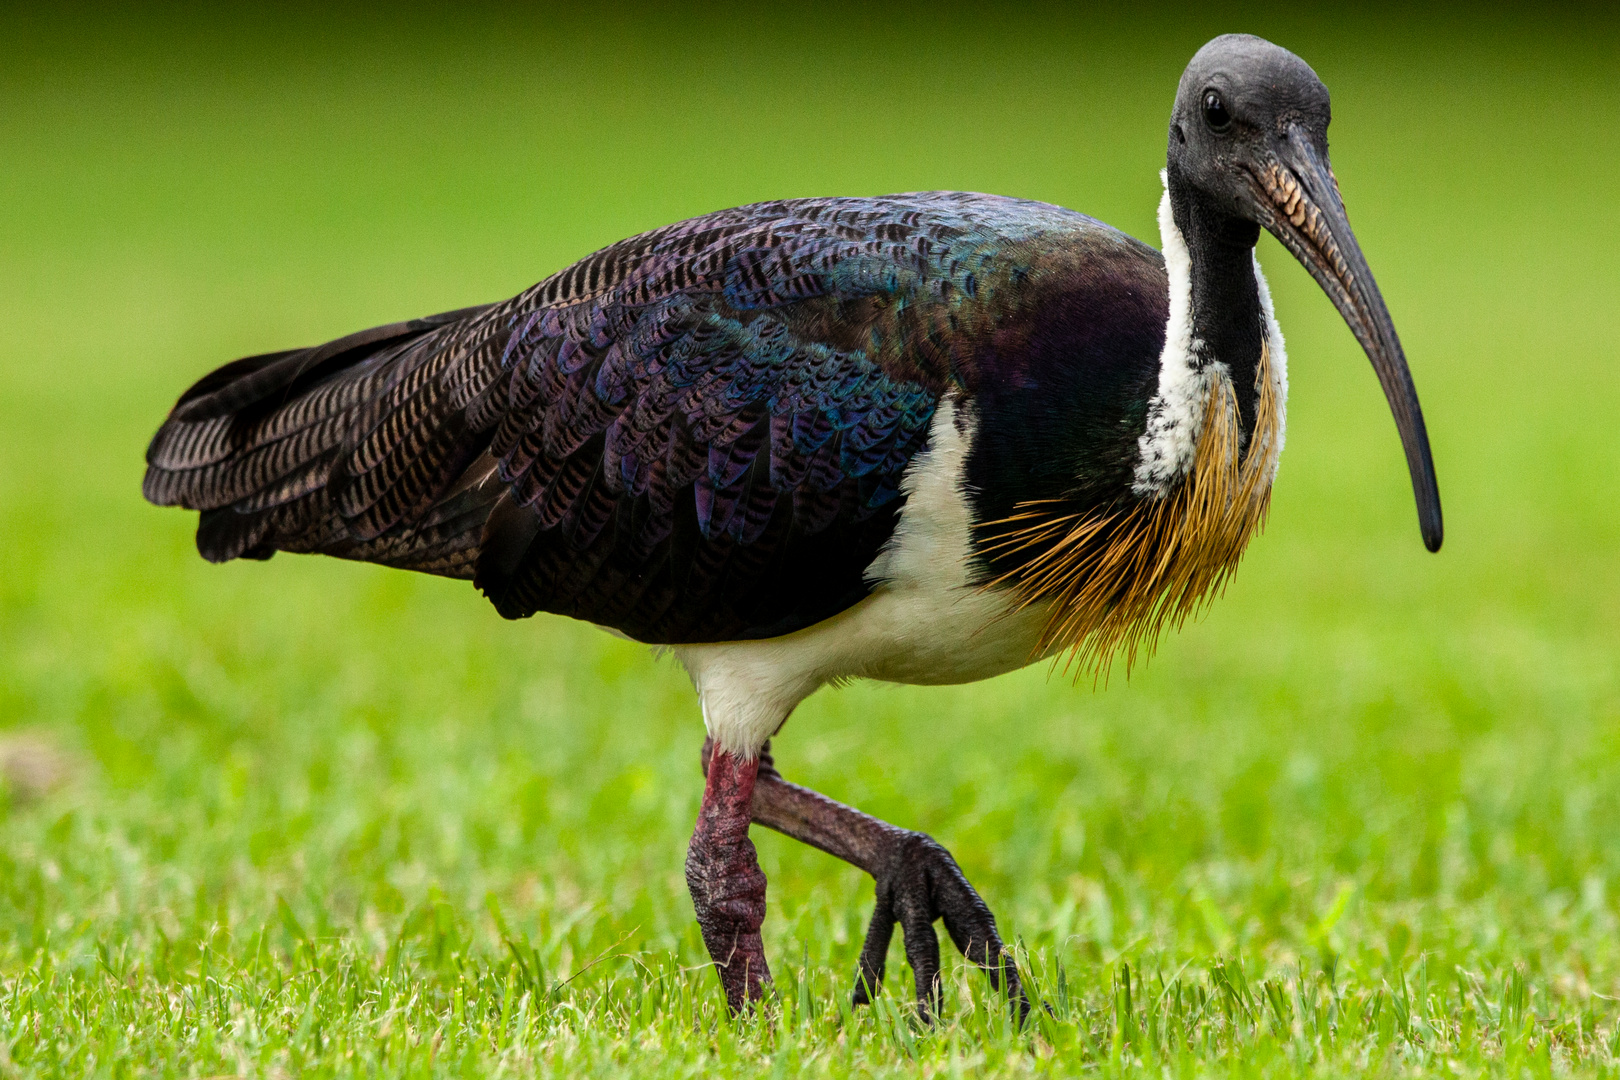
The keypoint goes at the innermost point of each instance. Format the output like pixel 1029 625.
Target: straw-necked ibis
pixel 925 438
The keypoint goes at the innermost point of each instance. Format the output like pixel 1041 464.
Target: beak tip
pixel 1434 533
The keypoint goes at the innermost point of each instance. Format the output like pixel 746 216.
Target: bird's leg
pixel 728 887
pixel 917 882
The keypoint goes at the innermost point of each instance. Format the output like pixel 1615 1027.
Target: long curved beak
pixel 1299 192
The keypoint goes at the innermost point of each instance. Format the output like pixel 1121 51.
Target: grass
pixel 324 819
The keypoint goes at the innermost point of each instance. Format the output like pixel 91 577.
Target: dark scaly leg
pixel 917 882
pixel 728 887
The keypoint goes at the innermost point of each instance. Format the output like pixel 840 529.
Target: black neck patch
pixel 1228 323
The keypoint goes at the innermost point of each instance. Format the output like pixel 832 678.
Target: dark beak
pixel 1298 192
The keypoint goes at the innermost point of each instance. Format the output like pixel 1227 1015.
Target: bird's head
pixel 1248 140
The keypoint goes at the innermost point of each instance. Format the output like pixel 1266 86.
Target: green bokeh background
pixel 1431 739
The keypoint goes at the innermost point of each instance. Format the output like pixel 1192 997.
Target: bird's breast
pixel 1110 579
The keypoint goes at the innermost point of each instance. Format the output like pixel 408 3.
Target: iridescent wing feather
pixel 696 434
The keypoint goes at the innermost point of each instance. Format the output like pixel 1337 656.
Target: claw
pixel 875 951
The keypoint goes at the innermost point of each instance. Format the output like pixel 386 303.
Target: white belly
pixel 925 622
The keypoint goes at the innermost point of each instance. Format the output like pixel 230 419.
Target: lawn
pixel 311 818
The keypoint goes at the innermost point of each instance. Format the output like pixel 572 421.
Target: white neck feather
pixel 1276 369
pixel 1186 376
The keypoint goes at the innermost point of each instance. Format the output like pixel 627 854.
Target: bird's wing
pixel 695 434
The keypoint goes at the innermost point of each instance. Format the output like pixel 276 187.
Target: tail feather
pixel 353 448
pixel 228 390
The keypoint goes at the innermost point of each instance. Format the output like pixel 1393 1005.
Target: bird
pixel 925 438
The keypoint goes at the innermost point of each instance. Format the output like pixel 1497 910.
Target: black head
pixel 1248 143
pixel 1241 101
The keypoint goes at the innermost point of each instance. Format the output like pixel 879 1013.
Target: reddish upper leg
pixel 727 885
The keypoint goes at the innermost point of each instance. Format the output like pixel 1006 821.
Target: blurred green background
pixel 265 816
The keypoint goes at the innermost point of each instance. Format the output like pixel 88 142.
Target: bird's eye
pixel 1215 114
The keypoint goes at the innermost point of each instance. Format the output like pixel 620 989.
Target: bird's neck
pixel 1216 333
pixel 1227 324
